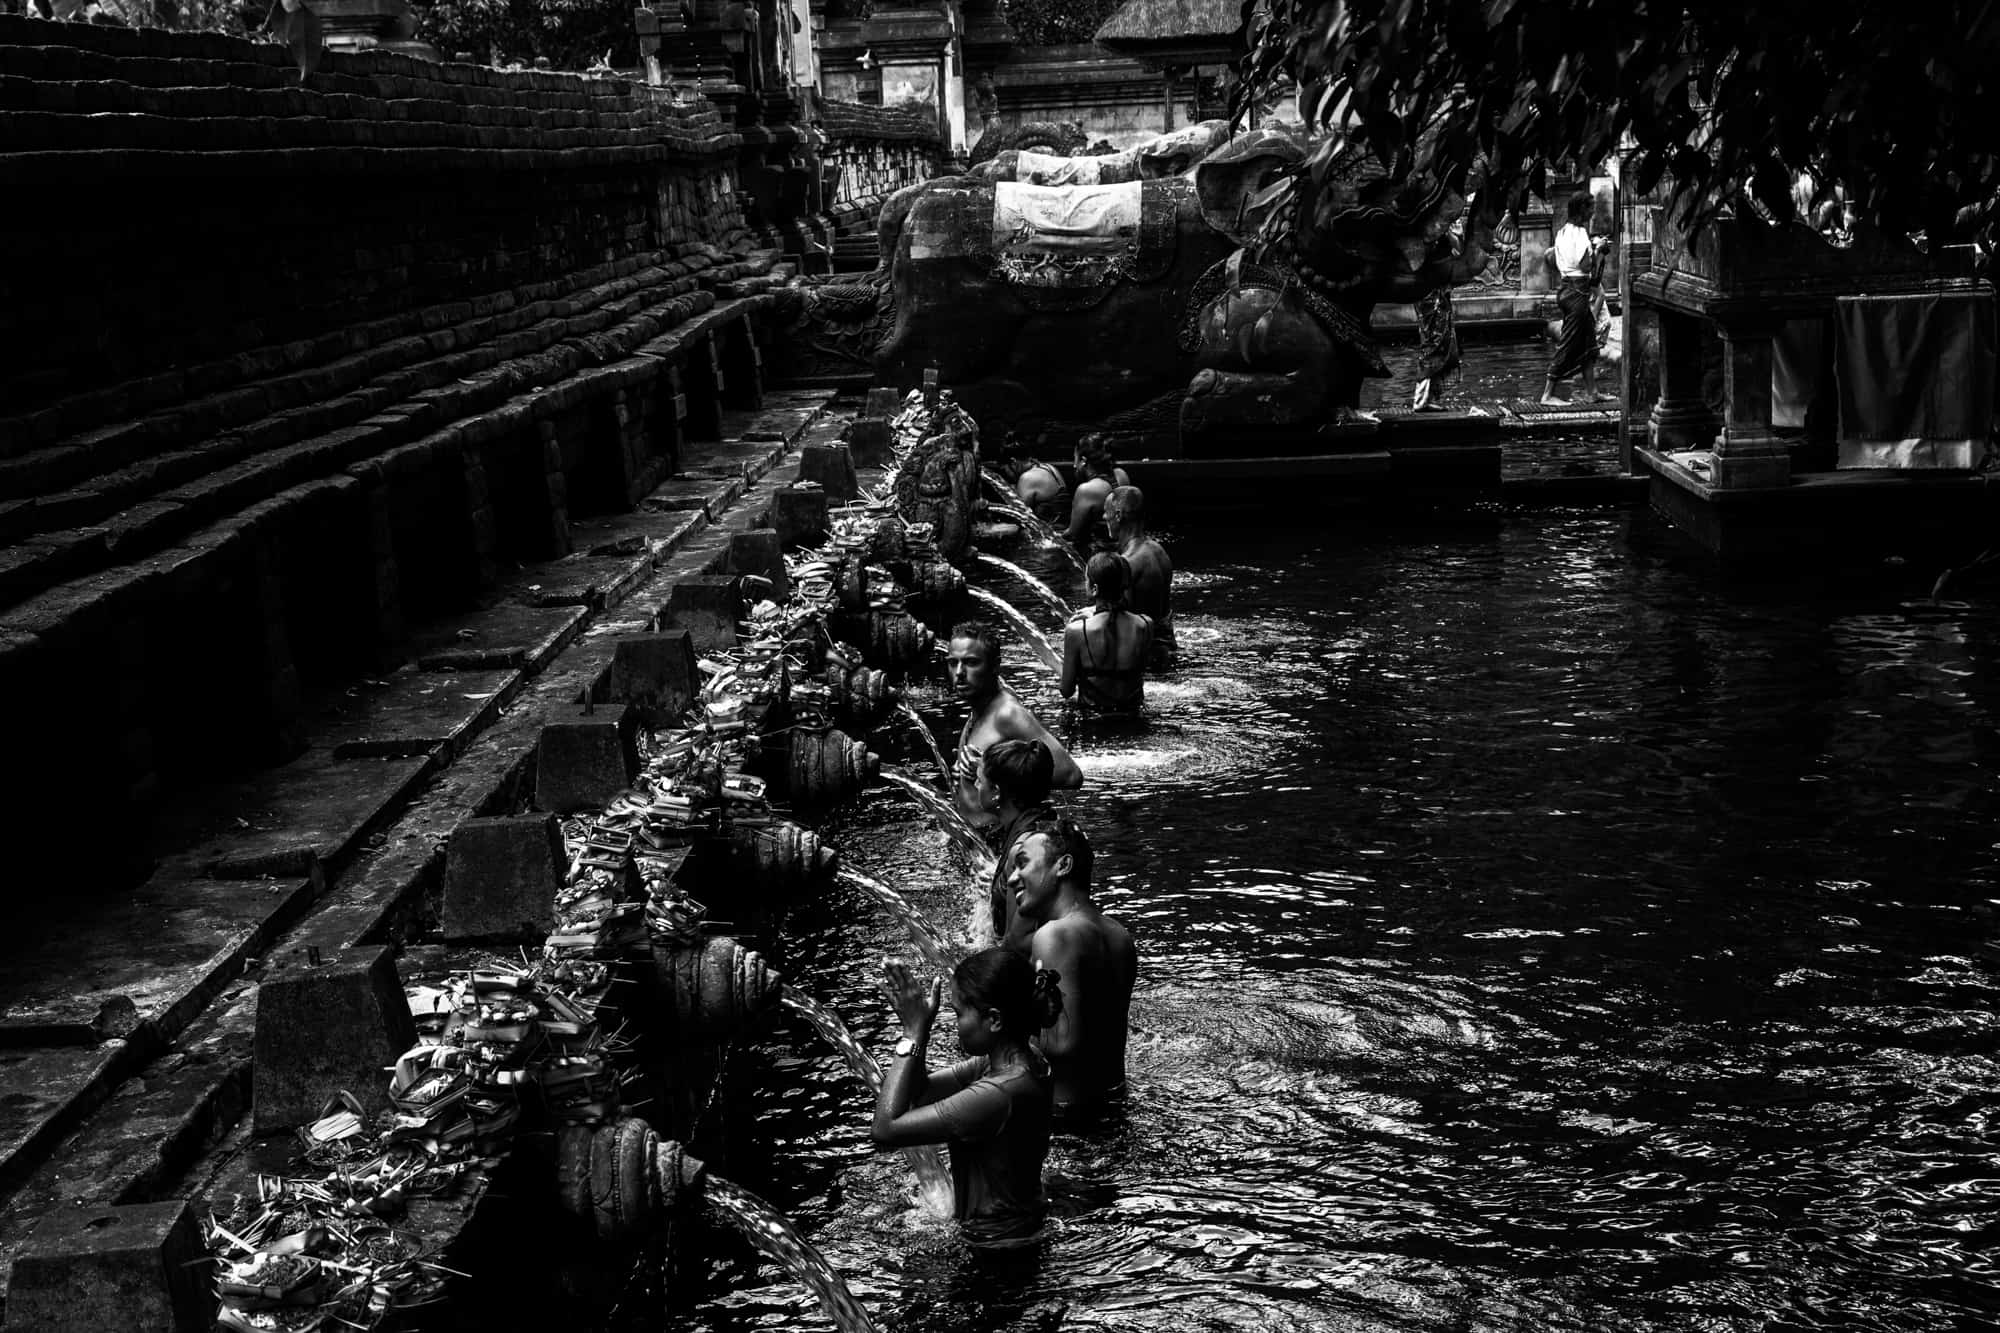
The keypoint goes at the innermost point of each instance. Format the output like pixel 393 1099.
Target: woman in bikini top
pixel 1105 647
pixel 1033 487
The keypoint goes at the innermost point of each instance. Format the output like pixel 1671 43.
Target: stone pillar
pixel 1681 418
pixel 1747 453
pixel 1538 236
pixel 326 1026
pixel 115 1266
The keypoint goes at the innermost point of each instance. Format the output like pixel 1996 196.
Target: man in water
pixel 1092 956
pixel 972 662
pixel 1151 590
pixel 1014 779
pixel 1100 473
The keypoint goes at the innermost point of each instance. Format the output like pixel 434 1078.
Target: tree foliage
pixel 1894 102
pixel 569 34
pixel 1058 22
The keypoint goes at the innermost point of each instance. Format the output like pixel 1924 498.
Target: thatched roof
pixel 1189 28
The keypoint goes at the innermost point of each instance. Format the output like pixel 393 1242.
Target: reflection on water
pixel 1537 932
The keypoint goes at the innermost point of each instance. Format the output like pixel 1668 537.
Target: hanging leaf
pixel 302 36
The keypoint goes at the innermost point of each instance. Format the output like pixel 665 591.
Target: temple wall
pixel 290 371
pixel 878 151
pixel 1113 98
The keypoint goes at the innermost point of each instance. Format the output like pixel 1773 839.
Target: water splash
pixel 922 933
pixel 1036 527
pixel 1031 635
pixel 933 1177
pixel 922 728
pixel 769 1231
pixel 1046 593
pixel 827 1023
pixel 948 816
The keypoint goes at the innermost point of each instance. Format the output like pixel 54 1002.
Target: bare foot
pixel 1550 400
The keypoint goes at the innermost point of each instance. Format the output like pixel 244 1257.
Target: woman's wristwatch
pixel 907 1046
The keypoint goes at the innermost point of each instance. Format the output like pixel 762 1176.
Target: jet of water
pixel 773 1235
pixel 1031 522
pixel 922 728
pixel 940 808
pixel 1032 636
pixel 933 1177
pixel 922 933
pixel 1042 589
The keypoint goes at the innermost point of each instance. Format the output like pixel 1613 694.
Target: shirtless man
pixel 1092 956
pixel 972 661
pixel 1151 590
pixel 1100 473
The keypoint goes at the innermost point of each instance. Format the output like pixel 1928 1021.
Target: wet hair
pixel 1098 460
pixel 1067 839
pixel 988 639
pixel 1579 208
pixel 1022 771
pixel 1028 998
pixel 1131 501
pixel 1109 576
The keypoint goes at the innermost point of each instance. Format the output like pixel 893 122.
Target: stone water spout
pixel 716 986
pixel 860 691
pixel 782 855
pixel 827 766
pixel 622 1179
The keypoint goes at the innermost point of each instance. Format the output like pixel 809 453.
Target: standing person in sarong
pixel 1575 258
pixel 1437 347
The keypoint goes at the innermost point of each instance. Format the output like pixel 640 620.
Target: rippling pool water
pixel 1537 932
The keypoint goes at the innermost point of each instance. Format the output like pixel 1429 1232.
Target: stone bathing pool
pixel 1537 930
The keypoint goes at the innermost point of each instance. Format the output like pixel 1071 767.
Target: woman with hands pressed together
pixel 994 1110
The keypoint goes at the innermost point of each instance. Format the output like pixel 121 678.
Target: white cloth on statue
pixel 1571 249
pixel 1076 218
pixel 1048 169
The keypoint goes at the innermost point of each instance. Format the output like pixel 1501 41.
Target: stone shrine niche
pixel 910 85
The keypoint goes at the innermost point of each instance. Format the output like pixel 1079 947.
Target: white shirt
pixel 1572 247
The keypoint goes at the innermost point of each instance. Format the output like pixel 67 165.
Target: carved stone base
pixel 1746 460
pixel 1678 426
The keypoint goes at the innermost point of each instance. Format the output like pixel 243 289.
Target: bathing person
pixel 972 662
pixel 1040 486
pixel 994 1110
pixel 1575 259
pixel 1150 591
pixel 1014 779
pixel 1091 954
pixel 1105 647
pixel 1100 473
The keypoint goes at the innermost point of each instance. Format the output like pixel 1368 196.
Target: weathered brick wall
pixel 182 196
pixel 879 151
pixel 288 371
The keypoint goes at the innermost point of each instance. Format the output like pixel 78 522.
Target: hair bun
pixel 1048 994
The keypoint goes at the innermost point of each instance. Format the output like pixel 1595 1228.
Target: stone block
pixel 501 877
pixel 137 1267
pixel 653 672
pixel 323 1028
pixel 832 467
pixel 798 516
pixel 758 554
pixel 584 760
pixel 707 606
pixel 881 404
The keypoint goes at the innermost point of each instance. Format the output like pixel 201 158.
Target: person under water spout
pixel 1150 592
pixel 1091 953
pixel 1014 779
pixel 1106 647
pixel 1100 474
pixel 972 661
pixel 1039 485
pixel 994 1112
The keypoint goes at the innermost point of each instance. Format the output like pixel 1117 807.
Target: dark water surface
pixel 1537 930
